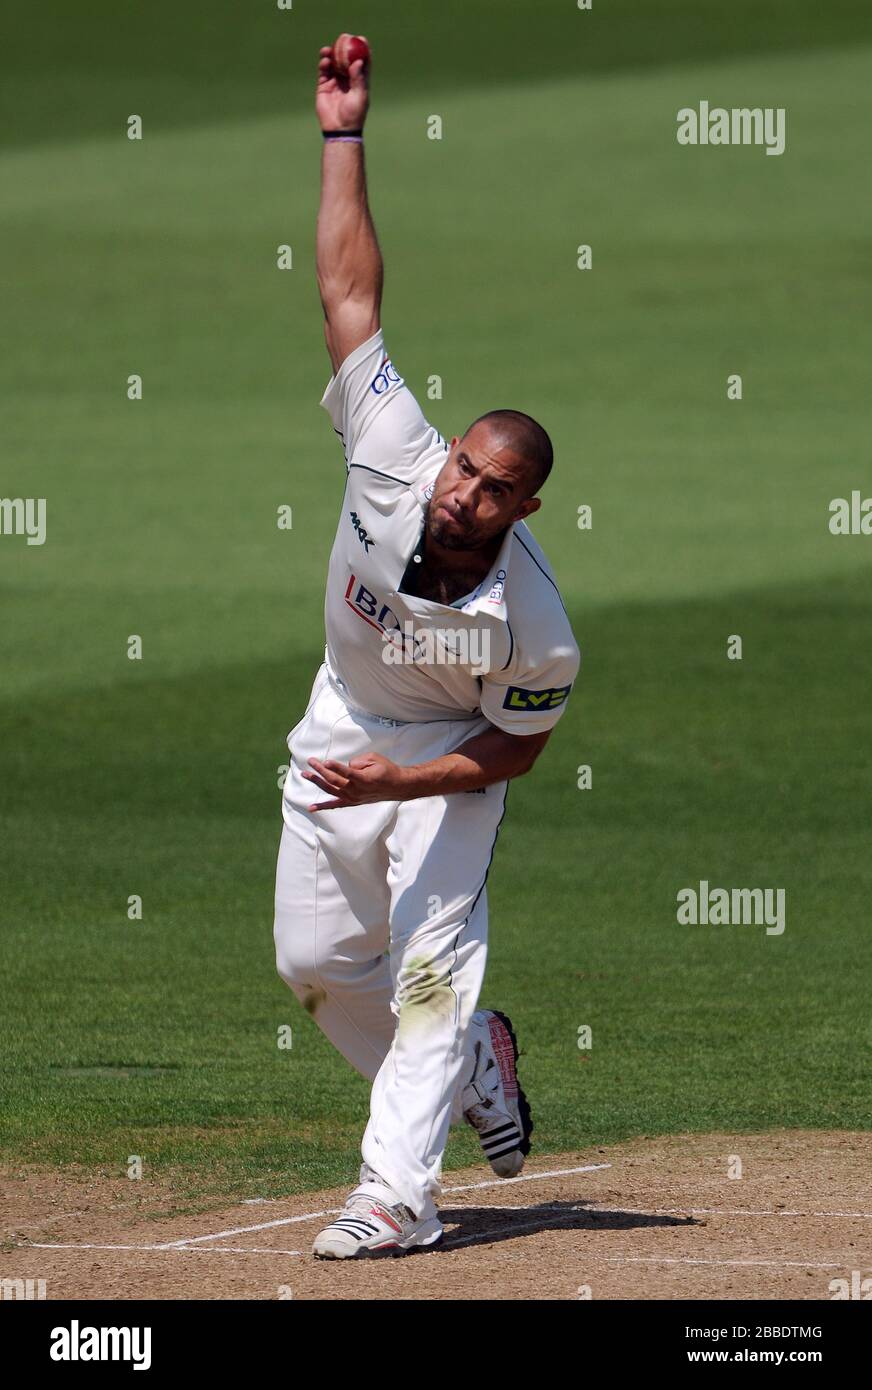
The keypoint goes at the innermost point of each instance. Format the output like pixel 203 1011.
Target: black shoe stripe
pixel 497 1136
pixel 500 1137
pixel 511 1147
pixel 355 1228
pixel 498 1129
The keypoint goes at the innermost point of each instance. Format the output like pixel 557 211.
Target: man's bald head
pixel 522 436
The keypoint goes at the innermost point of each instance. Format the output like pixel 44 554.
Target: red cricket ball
pixel 347 49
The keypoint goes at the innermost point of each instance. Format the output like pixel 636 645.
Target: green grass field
pixel 159 777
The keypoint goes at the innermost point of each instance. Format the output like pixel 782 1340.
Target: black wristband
pixel 343 134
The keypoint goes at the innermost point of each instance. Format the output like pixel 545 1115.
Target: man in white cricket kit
pixel 449 659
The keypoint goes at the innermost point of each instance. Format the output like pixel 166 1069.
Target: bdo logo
pixel 387 377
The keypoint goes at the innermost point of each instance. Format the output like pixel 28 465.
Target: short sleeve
pixel 375 415
pixel 535 696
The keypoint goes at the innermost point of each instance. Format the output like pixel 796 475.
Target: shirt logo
pixel 385 379
pixel 518 698
pixel 367 606
pixel 405 644
pixel 496 593
pixel 362 533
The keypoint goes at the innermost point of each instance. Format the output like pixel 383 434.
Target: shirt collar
pixel 491 595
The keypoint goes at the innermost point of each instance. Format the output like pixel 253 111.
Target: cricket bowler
pixel 449 659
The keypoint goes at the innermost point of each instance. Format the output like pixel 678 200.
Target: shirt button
pixel 417 559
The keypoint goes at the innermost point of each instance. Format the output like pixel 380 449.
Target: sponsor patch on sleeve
pixel 519 698
pixel 385 378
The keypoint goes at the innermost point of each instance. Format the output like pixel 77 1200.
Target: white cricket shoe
pixel 493 1101
pixel 368 1224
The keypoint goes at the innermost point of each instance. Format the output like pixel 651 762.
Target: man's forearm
pixel 489 757
pixel 492 756
pixel 349 262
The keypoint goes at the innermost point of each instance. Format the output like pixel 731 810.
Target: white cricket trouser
pixel 381 930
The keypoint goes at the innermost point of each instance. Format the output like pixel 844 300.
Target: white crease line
pixel 312 1215
pixel 196 1242
pixel 499 1233
pixel 526 1177
pixel 677 1260
pixel 483 1237
pixel 177 1249
pixel 46 1245
pixel 235 1250
pixel 245 1230
pixel 580 1208
pixel 721 1211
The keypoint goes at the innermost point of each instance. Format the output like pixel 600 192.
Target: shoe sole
pixel 523 1105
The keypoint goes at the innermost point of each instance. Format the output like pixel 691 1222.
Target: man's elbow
pixel 526 749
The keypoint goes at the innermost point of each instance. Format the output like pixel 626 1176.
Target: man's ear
pixel 528 507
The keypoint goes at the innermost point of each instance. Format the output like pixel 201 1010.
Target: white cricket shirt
pixel 506 651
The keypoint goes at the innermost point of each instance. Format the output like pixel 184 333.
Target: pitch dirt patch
pixel 664 1220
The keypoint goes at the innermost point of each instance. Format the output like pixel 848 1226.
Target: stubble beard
pixel 438 531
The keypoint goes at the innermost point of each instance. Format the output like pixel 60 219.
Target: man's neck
pixel 442 560
pixel 445 575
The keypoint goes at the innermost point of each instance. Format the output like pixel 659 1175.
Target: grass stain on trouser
pixel 425 997
pixel 312 999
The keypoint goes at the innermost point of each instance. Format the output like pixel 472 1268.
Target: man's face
pixel 481 489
